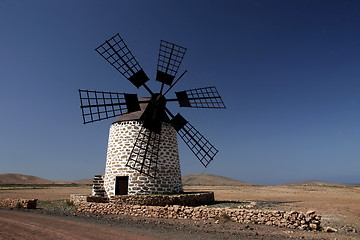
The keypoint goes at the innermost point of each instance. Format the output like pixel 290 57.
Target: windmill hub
pixel 154 114
pixel 159 101
pixel 159 97
pixel 142 153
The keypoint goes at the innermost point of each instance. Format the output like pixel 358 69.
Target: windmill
pixel 142 154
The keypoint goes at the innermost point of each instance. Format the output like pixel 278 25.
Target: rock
pixel 313 226
pixel 329 229
pixel 315 222
pixel 311 212
pixel 303 227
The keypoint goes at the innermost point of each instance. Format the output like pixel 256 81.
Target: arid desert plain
pixel 339 206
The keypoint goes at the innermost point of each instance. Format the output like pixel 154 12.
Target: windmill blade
pixel 197 143
pixel 97 105
pixel 207 97
pixel 116 52
pixel 145 153
pixel 169 61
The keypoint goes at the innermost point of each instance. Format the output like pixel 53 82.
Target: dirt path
pixel 25 225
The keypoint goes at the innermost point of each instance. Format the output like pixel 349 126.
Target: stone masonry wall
pixel 18 203
pixel 293 219
pixel 122 137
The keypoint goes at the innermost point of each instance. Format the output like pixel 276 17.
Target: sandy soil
pixel 340 207
pixel 25 225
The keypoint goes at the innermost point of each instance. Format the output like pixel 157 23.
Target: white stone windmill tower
pixel 142 156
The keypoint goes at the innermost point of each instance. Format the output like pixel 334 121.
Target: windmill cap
pixel 133 116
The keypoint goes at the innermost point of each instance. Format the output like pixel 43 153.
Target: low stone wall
pixel 18 203
pixel 78 198
pixel 304 221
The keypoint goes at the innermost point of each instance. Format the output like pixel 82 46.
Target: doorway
pixel 121 185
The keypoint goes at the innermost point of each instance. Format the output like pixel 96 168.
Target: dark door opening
pixel 121 185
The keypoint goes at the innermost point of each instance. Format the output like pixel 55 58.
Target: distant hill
pixel 194 179
pixel 315 183
pixel 12 178
pixel 212 180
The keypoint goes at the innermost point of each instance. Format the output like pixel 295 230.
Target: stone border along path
pixel 293 219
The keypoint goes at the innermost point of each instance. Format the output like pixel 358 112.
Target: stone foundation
pixel 187 199
pixel 122 136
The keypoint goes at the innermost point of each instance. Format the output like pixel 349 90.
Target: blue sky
pixel 288 72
